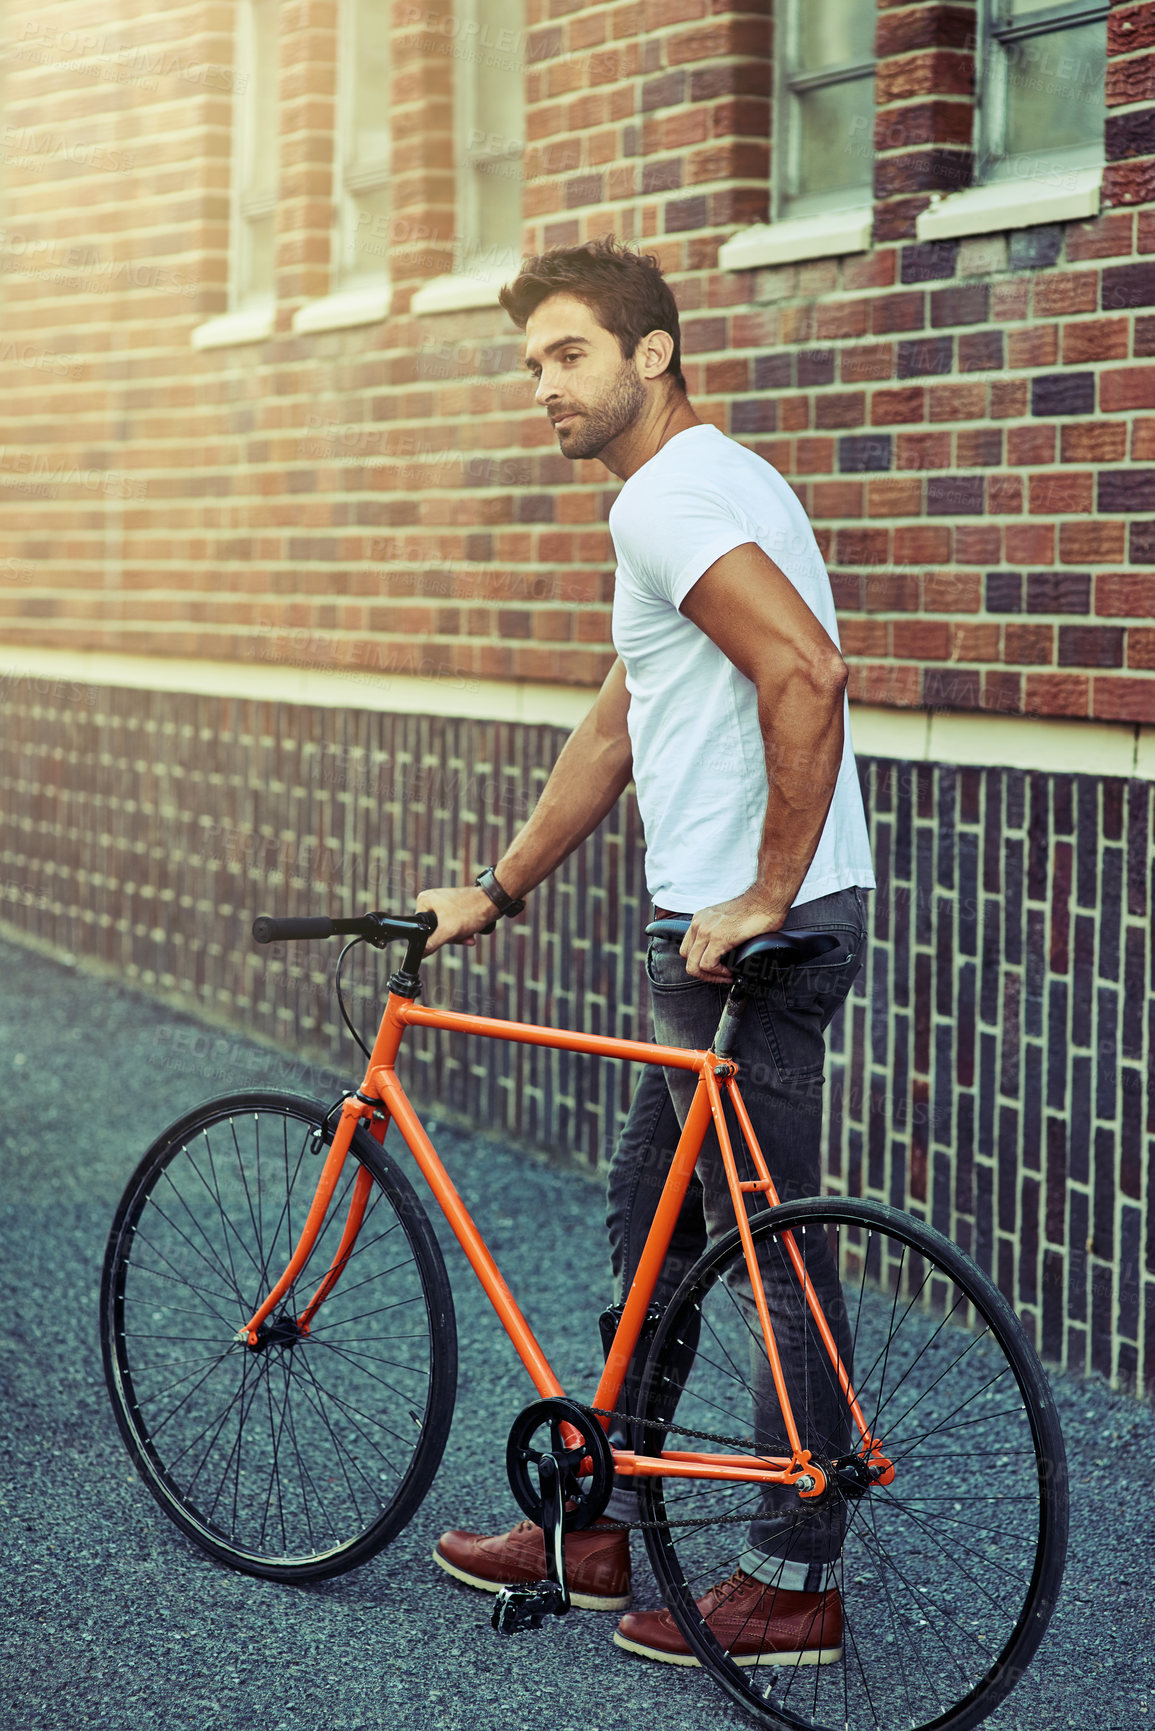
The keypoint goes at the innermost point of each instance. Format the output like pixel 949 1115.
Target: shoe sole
pixel 813 1656
pixel 584 1601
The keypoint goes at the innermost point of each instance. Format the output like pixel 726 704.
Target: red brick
pixel 863 546
pixel 977 642
pixel 1030 543
pixel 1095 340
pixel 933 72
pixel 863 636
pixel 890 408
pixel 1037 346
pixel 1010 398
pixel 898 686
pixel 894 497
pixel 840 409
pixel 1117 698
pixel 1029 645
pixel 922 451
pixel 1125 595
pixel 1130 28
pixel 952 591
pixel 1069 292
pixel 1052 493
pixel 838 319
pixel 890 592
pixel 836 499
pixel 922 544
pixel 1109 236
pixel 1031 444
pixel 1093 543
pixel 901 311
pixel 875 269
pixel 1129 182
pixel 1143 439
pixel 978 544
pixel 957 402
pixel 1127 388
pixel 1093 441
pixel 979 447
pixel 1057 694
pixel 1141 648
pixel 813 457
pixel 867 361
pixel 921 640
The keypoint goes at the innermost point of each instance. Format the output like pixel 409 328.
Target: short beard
pixel 617 411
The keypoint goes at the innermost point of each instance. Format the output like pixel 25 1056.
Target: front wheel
pixel 298 1459
pixel 941 1582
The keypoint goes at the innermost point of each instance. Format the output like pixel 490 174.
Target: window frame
pixel 245 204
pixel 993 164
pixel 348 182
pixel 787 204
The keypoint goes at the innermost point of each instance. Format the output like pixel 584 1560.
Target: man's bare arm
pixel 591 772
pixel 752 611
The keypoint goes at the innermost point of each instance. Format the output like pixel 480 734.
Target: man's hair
pixel 624 290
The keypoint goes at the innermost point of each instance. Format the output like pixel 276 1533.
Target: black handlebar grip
pixel 267 930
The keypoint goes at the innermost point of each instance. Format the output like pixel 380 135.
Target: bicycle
pixel 278 1339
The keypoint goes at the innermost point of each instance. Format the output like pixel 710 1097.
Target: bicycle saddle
pixel 757 957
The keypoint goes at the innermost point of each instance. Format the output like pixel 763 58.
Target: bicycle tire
pixel 301 1460
pixel 948 1576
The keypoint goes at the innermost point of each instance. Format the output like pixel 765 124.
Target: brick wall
pixel 971 425
pixel 990 1071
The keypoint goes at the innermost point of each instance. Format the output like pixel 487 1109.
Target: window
pixel 1041 101
pixel 824 54
pixel 361 240
pixel 255 160
pixel 489 131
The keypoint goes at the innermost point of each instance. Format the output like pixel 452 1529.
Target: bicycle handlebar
pixel 378 928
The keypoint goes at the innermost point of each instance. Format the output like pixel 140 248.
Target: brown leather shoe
pixel 597 1562
pixel 756 1624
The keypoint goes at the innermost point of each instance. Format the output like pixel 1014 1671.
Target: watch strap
pixel 505 904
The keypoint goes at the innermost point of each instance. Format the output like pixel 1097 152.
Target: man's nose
pixel 546 390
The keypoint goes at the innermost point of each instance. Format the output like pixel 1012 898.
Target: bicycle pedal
pixel 526 1607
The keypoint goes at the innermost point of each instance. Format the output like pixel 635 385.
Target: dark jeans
pixel 781 1054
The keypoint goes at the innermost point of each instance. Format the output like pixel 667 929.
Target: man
pixel 727 707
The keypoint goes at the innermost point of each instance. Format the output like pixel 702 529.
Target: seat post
pixel 731 1020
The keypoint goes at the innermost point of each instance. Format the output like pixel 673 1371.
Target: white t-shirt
pixel 699 760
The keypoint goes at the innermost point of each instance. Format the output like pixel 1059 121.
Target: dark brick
pixel 951 688
pixel 534 508
pixel 1087 850
pixel 1131 134
pixel 1128 285
pixel 815 367
pixel 861 453
pixel 1058 592
pixel 924 355
pixel 584 189
pixel 1091 645
pixel 1142 543
pixel 1063 394
pixel 1127 490
pixel 686 213
pixel 960 306
pixel 954 495
pixel 1138 846
pixel 754 415
pixel 1131 1134
pixel 664 92
pixel 662 176
pixel 929 261
pixel 1035 248
pixel 773 372
pixel 1057 1048
pixel 980 351
pixel 1107 1077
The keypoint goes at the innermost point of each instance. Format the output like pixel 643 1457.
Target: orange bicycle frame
pixel 381 1099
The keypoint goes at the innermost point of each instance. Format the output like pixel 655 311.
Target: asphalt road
pixel 111 1620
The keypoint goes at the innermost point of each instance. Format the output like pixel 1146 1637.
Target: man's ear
pixel 654 353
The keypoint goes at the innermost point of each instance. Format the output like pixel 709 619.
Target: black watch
pixel 505 904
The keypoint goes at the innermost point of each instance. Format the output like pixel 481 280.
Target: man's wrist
pixel 492 887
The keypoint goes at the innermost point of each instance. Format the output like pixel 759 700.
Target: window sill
pixel 823 236
pixel 451 294
pixel 1056 197
pixel 366 305
pixel 247 325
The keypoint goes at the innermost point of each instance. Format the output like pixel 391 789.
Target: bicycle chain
pixel 663 1526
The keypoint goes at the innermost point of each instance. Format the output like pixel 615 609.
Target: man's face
pixel 589 392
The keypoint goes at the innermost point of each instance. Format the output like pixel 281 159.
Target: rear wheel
pixel 948 1575
pixel 300 1458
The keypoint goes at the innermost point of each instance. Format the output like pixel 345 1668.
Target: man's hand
pixel 461 914
pixel 715 930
